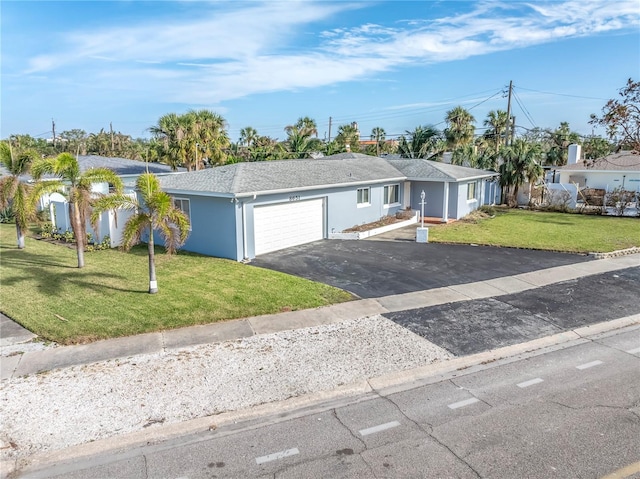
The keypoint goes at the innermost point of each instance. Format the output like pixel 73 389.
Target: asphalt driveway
pixel 371 269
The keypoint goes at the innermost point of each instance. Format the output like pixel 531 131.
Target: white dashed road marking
pixel 634 351
pixel 530 382
pixel 589 365
pixel 464 403
pixel 381 427
pixel 277 455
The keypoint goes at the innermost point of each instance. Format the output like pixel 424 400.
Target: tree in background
pixel 348 137
pixel 496 123
pixel 378 135
pixel 621 117
pixel 558 142
pixel 18 195
pixel 521 163
pixel 191 139
pixel 595 147
pixel 423 142
pixel 77 187
pixel 156 212
pixel 460 128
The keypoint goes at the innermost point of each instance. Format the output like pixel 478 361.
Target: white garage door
pixel 289 224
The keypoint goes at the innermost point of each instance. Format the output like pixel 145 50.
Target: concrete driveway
pixel 372 269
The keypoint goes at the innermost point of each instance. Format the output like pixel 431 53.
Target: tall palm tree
pixel 349 136
pixel 156 212
pixel 423 142
pixel 521 163
pixel 460 128
pixel 248 136
pixel 378 135
pixel 496 122
pixel 305 126
pixel 77 187
pixel 19 195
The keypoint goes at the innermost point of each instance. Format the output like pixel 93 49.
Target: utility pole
pixel 329 141
pixel 513 129
pixel 508 125
pixel 53 132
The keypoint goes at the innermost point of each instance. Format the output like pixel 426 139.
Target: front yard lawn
pixel 543 230
pixel 41 288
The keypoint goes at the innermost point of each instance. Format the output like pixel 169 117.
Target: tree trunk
pixel 74 213
pixel 20 235
pixel 153 284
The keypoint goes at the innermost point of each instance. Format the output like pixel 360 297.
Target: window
pixel 391 194
pixel 363 197
pixel 184 205
pixel 471 191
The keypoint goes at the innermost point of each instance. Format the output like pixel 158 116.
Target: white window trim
pixel 391 205
pixel 188 200
pixel 368 203
pixel 475 191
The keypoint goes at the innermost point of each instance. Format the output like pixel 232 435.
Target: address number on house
pixel 294 198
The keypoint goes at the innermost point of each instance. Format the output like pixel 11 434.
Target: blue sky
pixel 394 65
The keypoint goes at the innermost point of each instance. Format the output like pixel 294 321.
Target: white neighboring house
pixel 111 223
pixel 620 169
pixel 617 170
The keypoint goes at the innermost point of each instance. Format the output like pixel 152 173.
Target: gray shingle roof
pixel 428 170
pixel 622 161
pixel 121 166
pixel 269 176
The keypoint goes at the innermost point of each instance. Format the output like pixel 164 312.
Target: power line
pixel 563 94
pixel 524 110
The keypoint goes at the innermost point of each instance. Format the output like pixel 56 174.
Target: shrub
pixel 7 215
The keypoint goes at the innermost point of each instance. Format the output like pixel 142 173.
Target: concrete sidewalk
pixel 31 362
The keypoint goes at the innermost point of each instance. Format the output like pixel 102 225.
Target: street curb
pixel 378 386
pixel 615 254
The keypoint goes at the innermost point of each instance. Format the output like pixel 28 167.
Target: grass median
pixel 43 290
pixel 573 233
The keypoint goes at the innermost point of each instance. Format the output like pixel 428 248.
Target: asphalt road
pixel 571 412
pixel 372 269
pixel 470 327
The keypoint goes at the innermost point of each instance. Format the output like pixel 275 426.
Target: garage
pixel 283 225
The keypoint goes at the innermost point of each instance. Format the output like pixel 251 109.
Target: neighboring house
pixel 617 170
pixel 111 223
pixel 620 169
pixel 242 210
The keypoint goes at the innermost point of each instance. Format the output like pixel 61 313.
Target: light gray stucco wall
pixel 214 227
pixel 433 192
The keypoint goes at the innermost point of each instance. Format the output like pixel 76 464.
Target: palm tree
pixel 16 194
pixel 521 163
pixel 378 135
pixel 349 137
pixel 497 122
pixel 77 187
pixel 423 142
pixel 156 212
pixel 460 129
pixel 305 126
pixel 248 136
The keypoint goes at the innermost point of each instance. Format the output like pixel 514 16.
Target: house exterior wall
pixel 433 192
pixel 214 227
pixel 464 205
pixel 340 204
pixel 606 180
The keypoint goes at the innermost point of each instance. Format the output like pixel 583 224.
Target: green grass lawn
pixel 108 297
pixel 543 230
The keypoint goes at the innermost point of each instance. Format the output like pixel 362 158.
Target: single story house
pixel 242 210
pixel 620 169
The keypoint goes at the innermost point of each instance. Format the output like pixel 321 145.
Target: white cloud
pixel 221 55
